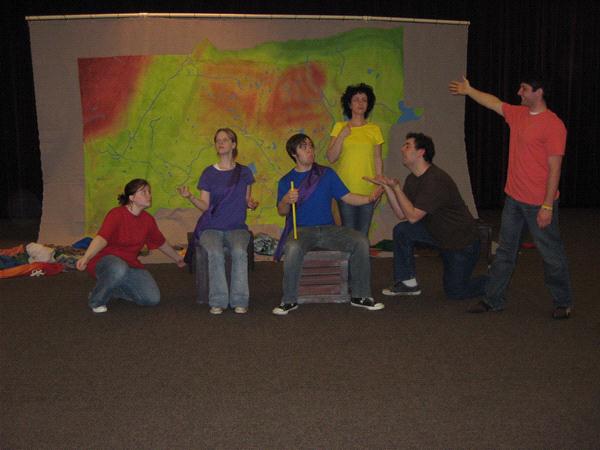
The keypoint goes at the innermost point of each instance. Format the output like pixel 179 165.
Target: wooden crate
pixel 324 277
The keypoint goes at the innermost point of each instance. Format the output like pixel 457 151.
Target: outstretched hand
pixel 184 191
pixel 459 87
pixel 383 181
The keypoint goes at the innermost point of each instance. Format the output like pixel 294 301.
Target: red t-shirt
pixel 126 235
pixel 533 138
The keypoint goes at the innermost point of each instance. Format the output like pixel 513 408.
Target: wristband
pixel 546 207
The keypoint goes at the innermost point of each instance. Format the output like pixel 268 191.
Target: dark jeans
pixel 458 264
pixel 547 240
pixel 356 217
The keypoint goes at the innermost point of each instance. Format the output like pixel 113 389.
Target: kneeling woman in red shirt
pixel 112 257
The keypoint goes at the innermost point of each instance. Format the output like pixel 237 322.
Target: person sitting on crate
pixel 311 187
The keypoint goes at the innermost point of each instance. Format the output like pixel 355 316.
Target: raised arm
pixel 336 143
pixel 401 205
pixel 201 203
pixel 412 214
pixel 488 101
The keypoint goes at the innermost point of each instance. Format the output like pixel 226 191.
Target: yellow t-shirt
pixel 357 158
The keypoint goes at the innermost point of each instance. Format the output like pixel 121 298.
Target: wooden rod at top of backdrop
pixel 243 16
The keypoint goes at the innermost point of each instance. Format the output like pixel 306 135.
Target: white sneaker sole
pixel 375 307
pixel 99 309
pixel 281 312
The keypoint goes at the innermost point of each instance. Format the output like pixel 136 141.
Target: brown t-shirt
pixel 448 219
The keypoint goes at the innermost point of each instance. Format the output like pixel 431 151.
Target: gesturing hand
pixel 459 87
pixel 184 191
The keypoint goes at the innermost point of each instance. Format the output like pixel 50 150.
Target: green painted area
pixel 265 93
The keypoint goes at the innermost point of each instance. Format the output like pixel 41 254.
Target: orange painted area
pixel 233 90
pixel 107 86
pixel 296 97
pixel 250 93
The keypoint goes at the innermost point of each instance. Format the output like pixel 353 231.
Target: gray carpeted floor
pixel 420 373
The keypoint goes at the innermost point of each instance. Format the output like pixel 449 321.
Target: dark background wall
pixel 506 39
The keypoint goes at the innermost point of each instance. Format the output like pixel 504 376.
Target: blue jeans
pixel 328 237
pixel 116 279
pixel 547 240
pixel 236 241
pixel 356 217
pixel 458 264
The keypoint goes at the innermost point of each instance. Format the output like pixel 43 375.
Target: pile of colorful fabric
pixel 18 261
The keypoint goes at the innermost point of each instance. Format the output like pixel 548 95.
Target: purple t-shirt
pixel 230 215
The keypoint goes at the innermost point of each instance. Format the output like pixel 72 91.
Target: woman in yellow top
pixel 355 149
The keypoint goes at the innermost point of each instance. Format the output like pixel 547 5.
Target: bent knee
pixel 150 298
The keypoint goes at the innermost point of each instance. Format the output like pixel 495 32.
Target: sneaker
pixel 479 307
pixel 240 310
pixel 367 303
pixel 215 310
pixel 400 288
pixel 284 308
pixel 561 312
pixel 99 309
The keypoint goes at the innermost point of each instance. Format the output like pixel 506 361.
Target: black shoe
pixel 400 288
pixel 367 303
pixel 561 312
pixel 284 308
pixel 479 307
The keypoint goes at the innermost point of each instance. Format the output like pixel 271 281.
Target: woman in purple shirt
pixel 225 194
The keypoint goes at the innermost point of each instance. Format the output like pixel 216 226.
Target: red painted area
pixel 107 85
pixel 296 97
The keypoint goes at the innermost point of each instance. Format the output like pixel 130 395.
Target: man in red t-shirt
pixel 536 149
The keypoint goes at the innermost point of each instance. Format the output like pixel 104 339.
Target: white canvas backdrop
pixel 434 53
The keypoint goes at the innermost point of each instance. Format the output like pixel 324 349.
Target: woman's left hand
pixel 252 204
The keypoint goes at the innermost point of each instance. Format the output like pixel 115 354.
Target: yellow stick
pixel 294 214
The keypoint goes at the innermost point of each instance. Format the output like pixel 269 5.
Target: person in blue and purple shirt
pixel 315 187
pixel 225 194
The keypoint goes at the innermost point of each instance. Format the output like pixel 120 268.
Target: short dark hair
pixel 536 81
pixel 131 188
pixel 232 136
pixel 291 146
pixel 351 91
pixel 426 143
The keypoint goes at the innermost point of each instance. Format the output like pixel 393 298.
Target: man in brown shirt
pixel 432 211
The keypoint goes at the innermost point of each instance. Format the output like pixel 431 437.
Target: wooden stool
pixel 324 277
pixel 199 266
